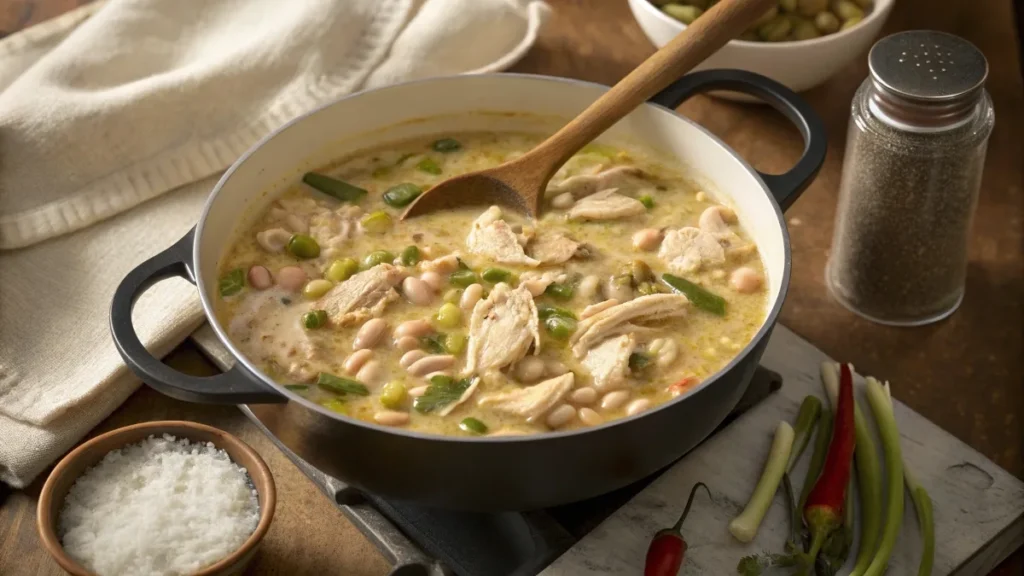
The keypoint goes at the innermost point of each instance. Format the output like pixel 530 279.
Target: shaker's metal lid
pixel 928 66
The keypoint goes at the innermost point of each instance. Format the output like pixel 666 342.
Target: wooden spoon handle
pixel 723 22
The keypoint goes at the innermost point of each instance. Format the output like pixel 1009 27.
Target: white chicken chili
pixel 632 287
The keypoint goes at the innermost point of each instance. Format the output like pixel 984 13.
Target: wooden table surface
pixel 965 373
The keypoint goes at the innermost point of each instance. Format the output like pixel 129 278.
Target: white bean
pixel 418 391
pixel 589 417
pixel 745 280
pixel 354 362
pixel 415 328
pixel 372 373
pixel 407 343
pixel 561 416
pixel 586 395
pixel 563 201
pixel 554 368
pixel 432 279
pixel 470 296
pixel 431 363
pixel 273 240
pixel 667 353
pixel 417 291
pixel 369 334
pixel 443 265
pixel 529 369
pixel 647 239
pixel 391 418
pixel 597 308
pixel 536 287
pixel 589 286
pixel 410 357
pixel 292 278
pixel 259 278
pixel 637 406
pixel 615 399
pixel 447 373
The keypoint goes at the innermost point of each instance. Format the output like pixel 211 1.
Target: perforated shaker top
pixel 928 66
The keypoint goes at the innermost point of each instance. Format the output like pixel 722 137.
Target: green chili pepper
pixel 559 327
pixel 297 387
pixel 700 297
pixel 545 311
pixel 402 194
pixel 463 278
pixel 231 283
pixel 410 255
pixel 340 385
pixel 495 275
pixel 559 291
pixel 647 200
pixel 314 319
pixel 429 166
pixel 341 270
pixel 377 257
pixel 638 361
pixel 473 426
pixel 376 222
pixel 333 187
pixel 446 145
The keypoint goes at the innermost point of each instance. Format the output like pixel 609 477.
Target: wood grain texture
pixel 964 374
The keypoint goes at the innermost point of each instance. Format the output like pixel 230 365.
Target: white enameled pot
pixel 445 471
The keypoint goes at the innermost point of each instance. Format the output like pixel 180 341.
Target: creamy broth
pixel 632 287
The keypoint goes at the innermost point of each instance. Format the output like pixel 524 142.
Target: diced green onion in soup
pixel 333 187
pixel 429 166
pixel 446 145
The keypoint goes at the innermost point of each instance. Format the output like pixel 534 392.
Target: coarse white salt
pixel 164 506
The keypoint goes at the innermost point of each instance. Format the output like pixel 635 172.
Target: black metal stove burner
pixel 427 541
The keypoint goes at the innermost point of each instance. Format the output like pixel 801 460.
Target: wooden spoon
pixel 520 183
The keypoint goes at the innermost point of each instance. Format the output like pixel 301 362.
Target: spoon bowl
pixel 519 184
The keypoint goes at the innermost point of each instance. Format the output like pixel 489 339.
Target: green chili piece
pixel 446 145
pixel 340 385
pixel 297 387
pixel 231 283
pixel 463 278
pixel 473 426
pixel 303 246
pixel 647 200
pixel 700 297
pixel 545 311
pixel 402 194
pixel 495 275
pixel 560 328
pixel 429 166
pixel 333 187
pixel 392 394
pixel 455 343
pixel 377 257
pixel 376 222
pixel 341 270
pixel 559 291
pixel 314 319
pixel 410 255
pixel 638 361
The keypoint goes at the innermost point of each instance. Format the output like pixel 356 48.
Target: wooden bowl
pixel 51 499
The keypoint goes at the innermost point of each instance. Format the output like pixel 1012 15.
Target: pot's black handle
pixel 236 386
pixel 785 187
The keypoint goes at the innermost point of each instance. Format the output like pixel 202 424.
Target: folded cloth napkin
pixel 116 121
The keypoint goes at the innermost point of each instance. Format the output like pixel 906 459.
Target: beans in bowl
pixel 632 287
pixel 791 20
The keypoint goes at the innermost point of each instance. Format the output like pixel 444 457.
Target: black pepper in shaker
pixel 915 151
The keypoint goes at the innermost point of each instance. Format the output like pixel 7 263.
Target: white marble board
pixel 978 506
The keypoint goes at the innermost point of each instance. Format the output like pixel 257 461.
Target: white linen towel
pixel 107 109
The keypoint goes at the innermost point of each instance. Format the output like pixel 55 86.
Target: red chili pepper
pixel 668 549
pixel 682 386
pixel 824 509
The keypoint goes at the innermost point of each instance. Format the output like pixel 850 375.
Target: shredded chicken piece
pixel 553 247
pixel 531 402
pixel 501 329
pixel 606 205
pixel 363 296
pixel 600 326
pixel 608 362
pixel 492 238
pixel 689 249
pixel 584 185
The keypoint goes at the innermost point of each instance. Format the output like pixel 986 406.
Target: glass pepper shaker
pixel 915 151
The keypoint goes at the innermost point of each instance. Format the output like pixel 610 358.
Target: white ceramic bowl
pixel 799 65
